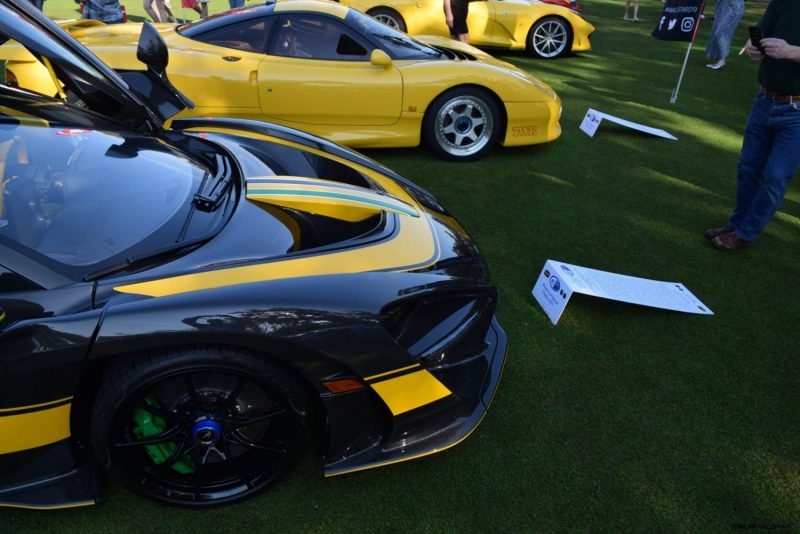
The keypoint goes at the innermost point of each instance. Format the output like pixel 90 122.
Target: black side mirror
pixel 152 50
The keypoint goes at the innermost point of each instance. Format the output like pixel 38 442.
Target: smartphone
pixel 755 36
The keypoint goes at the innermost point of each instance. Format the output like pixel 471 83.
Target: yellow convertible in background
pixel 333 71
pixel 544 30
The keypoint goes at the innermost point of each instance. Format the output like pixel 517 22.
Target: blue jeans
pixel 38 3
pixel 770 157
pixel 235 3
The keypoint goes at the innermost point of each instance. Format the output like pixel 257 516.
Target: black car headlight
pixel 441 330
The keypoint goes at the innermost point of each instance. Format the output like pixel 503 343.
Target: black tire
pixel 462 124
pixel 388 16
pixel 550 38
pixel 200 426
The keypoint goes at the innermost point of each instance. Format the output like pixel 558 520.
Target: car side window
pixel 248 36
pixel 314 37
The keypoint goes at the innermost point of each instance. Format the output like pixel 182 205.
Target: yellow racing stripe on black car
pixel 417 246
pixel 415 242
pixel 28 427
pixel 394 372
pixel 81 504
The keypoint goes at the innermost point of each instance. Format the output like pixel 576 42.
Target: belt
pixel 779 98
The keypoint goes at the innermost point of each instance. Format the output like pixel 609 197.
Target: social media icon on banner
pixel 687 24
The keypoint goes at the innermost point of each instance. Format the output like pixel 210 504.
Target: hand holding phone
pixel 755 37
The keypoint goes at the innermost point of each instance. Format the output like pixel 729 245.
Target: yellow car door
pixel 218 69
pixel 218 80
pixel 317 71
pixel 512 21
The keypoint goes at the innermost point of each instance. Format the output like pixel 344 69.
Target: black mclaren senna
pixel 180 305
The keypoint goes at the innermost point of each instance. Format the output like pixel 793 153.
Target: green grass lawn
pixel 621 417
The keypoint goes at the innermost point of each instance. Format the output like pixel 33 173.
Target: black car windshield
pixel 395 43
pixel 83 196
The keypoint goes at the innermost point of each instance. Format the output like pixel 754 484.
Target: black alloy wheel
pixel 199 427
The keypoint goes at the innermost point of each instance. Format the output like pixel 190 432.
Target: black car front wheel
pixel 462 124
pixel 199 427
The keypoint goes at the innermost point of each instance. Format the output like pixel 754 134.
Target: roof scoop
pixel 324 197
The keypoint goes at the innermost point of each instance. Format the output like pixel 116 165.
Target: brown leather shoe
pixel 711 233
pixel 730 242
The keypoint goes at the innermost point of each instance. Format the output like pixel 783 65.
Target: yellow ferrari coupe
pixel 333 71
pixel 544 30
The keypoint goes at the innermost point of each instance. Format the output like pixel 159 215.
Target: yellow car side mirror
pixel 379 58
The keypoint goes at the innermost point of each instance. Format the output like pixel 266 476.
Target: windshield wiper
pixel 212 192
pixel 208 198
pixel 398 40
pixel 409 43
pixel 148 256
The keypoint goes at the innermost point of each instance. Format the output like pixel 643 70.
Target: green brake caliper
pixel 148 425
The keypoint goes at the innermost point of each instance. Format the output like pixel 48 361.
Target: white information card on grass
pixel 558 281
pixel 591 122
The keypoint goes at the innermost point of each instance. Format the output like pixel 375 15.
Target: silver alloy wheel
pixel 463 125
pixel 388 20
pixel 549 38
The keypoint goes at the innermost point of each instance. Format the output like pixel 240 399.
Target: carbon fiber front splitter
pixel 51 478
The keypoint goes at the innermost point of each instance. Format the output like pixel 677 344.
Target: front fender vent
pixel 455 55
pixel 441 330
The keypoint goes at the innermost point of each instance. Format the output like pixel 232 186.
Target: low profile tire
pixel 390 17
pixel 550 38
pixel 462 124
pixel 199 427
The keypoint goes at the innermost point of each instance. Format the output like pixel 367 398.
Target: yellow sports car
pixel 544 30
pixel 333 71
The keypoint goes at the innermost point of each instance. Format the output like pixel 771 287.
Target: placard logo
pixel 555 283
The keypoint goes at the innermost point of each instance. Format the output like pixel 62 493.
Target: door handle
pixel 231 58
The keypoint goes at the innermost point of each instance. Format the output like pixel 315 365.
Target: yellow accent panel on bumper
pixel 407 392
pixel 33 429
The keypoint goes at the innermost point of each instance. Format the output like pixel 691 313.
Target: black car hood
pixel 96 85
